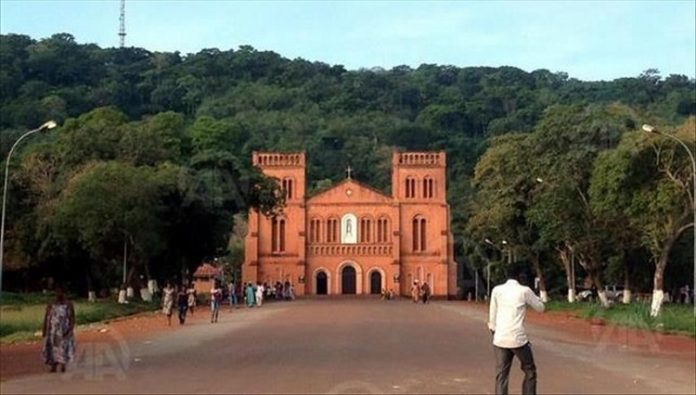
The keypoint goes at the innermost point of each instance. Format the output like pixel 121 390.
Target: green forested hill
pixel 168 117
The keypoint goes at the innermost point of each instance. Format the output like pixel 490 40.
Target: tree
pixel 503 179
pixel 649 179
pixel 106 205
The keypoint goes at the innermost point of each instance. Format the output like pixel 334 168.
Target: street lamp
pixel 654 130
pixel 488 265
pixel 46 126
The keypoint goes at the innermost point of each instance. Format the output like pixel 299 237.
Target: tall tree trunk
pixel 565 260
pixel 658 280
pixel 542 284
pixel 596 278
pixel 91 294
pixel 627 283
pixel 658 296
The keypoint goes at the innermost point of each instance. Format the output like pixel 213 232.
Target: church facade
pixel 351 238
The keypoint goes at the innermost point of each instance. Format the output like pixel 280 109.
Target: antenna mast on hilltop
pixel 122 20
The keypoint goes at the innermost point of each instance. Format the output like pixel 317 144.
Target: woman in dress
pixel 249 295
pixel 168 302
pixel 191 299
pixel 415 291
pixel 259 294
pixel 58 332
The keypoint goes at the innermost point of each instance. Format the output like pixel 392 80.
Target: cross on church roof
pixel 349 171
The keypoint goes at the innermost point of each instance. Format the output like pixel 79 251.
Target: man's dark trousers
pixel 503 357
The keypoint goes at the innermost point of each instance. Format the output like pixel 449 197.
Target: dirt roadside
pixel 20 359
pixel 578 330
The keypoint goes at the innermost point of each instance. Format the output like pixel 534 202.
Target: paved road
pixel 351 346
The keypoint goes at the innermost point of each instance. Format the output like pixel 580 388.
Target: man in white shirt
pixel 508 308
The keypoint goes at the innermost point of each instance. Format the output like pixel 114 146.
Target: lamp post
pixel 654 130
pixel 488 266
pixel 46 126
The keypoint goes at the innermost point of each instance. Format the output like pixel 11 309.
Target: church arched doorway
pixel 322 283
pixel 348 279
pixel 375 283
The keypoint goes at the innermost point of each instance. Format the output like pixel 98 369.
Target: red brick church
pixel 351 238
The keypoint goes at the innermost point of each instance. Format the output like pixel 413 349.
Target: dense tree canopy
pixel 157 144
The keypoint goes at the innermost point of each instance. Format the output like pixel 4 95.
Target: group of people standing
pixel 185 302
pixel 420 293
pixel 254 295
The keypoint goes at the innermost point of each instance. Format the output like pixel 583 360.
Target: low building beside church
pixel 351 238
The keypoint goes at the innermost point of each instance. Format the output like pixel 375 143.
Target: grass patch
pixel 674 318
pixel 22 315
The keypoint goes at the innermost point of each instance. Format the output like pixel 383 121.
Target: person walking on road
pixel 425 292
pixel 249 295
pixel 508 308
pixel 415 291
pixel 168 302
pixel 259 294
pixel 191 299
pixel 215 300
pixel 182 304
pixel 58 332
pixel 232 292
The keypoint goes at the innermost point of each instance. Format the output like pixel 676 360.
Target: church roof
pixel 350 191
pixel 207 270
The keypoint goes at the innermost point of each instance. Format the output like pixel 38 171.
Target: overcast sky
pixel 590 40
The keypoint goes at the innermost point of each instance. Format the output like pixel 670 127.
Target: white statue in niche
pixel 348 236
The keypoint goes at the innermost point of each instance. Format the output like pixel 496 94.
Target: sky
pixel 590 40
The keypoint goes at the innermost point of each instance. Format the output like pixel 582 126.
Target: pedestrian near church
pixel 182 304
pixel 215 300
pixel 232 293
pixel 415 291
pixel 191 300
pixel 249 295
pixel 58 332
pixel 425 292
pixel 168 302
pixel 508 308
pixel 259 294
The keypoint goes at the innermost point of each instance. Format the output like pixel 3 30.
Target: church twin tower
pixel 351 238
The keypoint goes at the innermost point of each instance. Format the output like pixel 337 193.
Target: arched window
pixel 428 187
pixel 287 187
pixel 383 230
pixel 315 230
pixel 410 187
pixel 365 235
pixel 419 227
pixel 278 234
pixel 332 230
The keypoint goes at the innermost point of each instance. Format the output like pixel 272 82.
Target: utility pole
pixel 122 28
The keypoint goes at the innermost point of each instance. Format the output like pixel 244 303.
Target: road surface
pixel 353 346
